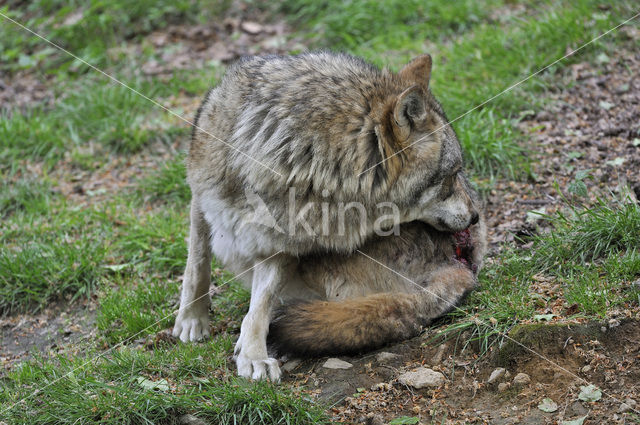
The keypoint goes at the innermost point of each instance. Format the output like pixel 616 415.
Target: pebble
pixel 422 377
pixel 190 420
pixel 629 404
pixel 503 386
pixel 334 363
pixel 381 386
pixel 586 369
pixel 252 28
pixel 385 357
pixel 291 365
pixel 521 379
pixel 496 375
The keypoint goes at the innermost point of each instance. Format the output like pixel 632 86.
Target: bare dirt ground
pixel 593 124
pixel 370 391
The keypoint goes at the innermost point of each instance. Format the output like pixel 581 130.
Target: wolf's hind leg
pixel 192 323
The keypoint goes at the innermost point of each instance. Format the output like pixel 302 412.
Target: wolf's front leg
pixel 192 323
pixel 251 349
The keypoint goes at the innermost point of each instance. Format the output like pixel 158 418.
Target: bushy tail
pixel 350 326
pixel 321 327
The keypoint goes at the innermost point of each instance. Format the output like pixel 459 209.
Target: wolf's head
pixel 422 161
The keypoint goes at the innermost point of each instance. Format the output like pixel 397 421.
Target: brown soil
pixel 58 326
pixel 602 355
pixel 593 124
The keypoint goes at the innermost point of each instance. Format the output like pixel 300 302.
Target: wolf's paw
pixel 191 327
pixel 258 369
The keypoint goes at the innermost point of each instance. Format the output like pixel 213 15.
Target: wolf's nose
pixel 474 218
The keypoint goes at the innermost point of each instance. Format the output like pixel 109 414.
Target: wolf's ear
pixel 418 71
pixel 408 110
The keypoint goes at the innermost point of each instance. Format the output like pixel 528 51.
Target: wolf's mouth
pixel 464 249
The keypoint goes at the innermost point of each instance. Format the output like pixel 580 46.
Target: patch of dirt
pixel 593 124
pixel 23 90
pixel 24 335
pixel 242 31
pixel 604 355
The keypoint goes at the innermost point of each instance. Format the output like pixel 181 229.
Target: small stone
pixel 334 363
pixel 381 386
pixel 629 404
pixel 503 386
pixel 586 369
pixel 521 379
pixel 422 377
pixel 385 357
pixel 291 365
pixel 496 375
pixel 252 28
pixel 190 420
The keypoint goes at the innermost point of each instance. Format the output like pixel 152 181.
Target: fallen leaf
pixel 541 317
pixel 535 215
pixel 116 267
pixel 252 28
pixel 578 421
pixel 589 393
pixel 606 105
pixel 161 384
pixel 616 162
pixel 548 405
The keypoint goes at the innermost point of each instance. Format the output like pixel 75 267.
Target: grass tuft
pixel 168 183
pixel 132 386
pixel 585 245
pixel 585 235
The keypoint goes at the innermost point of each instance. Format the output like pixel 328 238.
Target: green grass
pixel 94 112
pixel 69 251
pixel 166 183
pixel 30 195
pixel 390 24
pixel 584 235
pixel 128 311
pixel 88 28
pixel 593 254
pixel 131 386
pixel 61 254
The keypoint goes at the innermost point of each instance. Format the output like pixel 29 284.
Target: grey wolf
pixel 319 129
